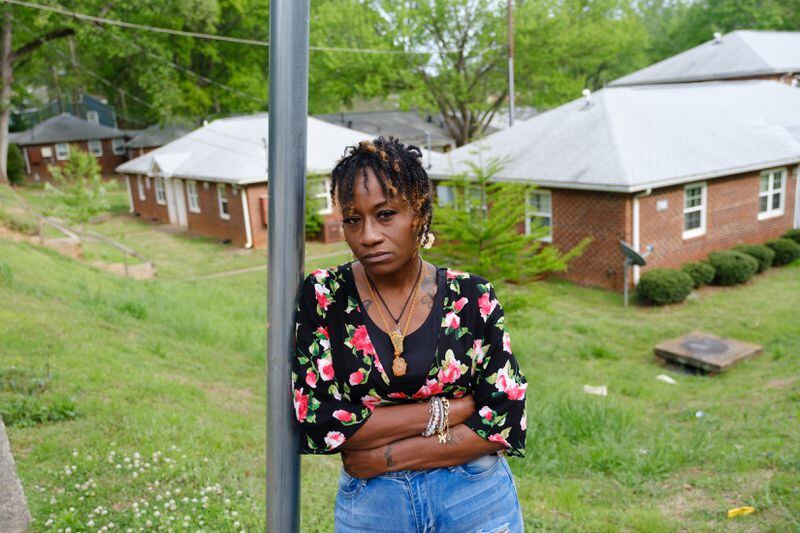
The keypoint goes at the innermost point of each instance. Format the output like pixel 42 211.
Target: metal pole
pixel 288 112
pixel 511 109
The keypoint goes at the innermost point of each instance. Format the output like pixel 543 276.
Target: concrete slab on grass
pixel 705 351
pixel 14 514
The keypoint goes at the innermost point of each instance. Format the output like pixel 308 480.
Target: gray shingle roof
pixel 738 54
pixel 157 135
pixel 632 138
pixel 64 128
pixel 408 126
pixel 232 150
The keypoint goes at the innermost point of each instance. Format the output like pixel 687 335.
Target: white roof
pixel 632 138
pixel 233 150
pixel 738 54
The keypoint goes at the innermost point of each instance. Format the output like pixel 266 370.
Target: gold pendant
pixel 399 366
pixel 397 341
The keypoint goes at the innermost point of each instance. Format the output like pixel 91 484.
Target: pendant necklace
pixel 399 364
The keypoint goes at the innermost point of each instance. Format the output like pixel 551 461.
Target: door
pixel 179 197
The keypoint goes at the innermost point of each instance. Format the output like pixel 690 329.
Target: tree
pixel 16 164
pixel 465 75
pixel 480 230
pixel 79 187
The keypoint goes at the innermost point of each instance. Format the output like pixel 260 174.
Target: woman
pixel 405 368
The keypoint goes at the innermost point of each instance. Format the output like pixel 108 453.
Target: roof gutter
pixel 245 209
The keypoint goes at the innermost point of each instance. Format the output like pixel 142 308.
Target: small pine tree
pixel 314 184
pixel 79 187
pixel 15 167
pixel 480 230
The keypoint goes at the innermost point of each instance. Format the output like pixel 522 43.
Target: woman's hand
pixel 366 463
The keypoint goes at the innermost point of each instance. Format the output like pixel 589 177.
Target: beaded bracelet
pixel 443 429
pixel 435 410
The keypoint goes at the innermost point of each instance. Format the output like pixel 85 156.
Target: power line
pixel 214 37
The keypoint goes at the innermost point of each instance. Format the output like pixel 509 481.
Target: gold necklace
pixel 399 364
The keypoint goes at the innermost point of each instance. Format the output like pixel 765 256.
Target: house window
pixel 47 152
pixel 318 196
pixel 62 151
pixel 160 198
pixel 222 201
pixel 96 148
pixel 694 210
pixel 194 199
pixel 140 187
pixel 118 146
pixel 93 117
pixel 539 212
pixel 444 195
pixel 466 198
pixel 771 192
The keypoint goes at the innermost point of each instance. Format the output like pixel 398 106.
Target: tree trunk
pixel 6 76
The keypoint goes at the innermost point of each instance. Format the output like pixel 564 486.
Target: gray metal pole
pixel 511 103
pixel 288 111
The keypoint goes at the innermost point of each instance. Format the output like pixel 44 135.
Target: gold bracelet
pixel 443 429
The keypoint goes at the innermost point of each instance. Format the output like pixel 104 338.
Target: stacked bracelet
pixel 443 429
pixel 435 410
pixel 439 420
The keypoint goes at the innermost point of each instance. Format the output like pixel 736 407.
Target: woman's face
pixel 377 229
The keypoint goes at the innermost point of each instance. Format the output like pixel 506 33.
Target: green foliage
pixel 23 411
pixel 731 267
pixel 80 187
pixel 662 286
pixel 6 274
pixel 487 240
pixel 701 273
pixel 763 254
pixel 15 165
pixel 786 251
pixel 18 222
pixel 314 222
pixel 793 234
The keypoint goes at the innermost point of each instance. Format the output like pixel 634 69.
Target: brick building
pixel 686 168
pixel 213 181
pixel 739 55
pixel 49 143
pixel 152 137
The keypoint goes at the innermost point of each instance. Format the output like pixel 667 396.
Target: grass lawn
pixel 168 386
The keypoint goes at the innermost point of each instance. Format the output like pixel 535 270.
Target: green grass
pixel 176 370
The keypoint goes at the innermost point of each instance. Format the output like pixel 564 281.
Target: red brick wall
pixel 108 161
pixel 149 208
pixel 731 219
pixel 606 217
pixel 208 222
pixel 258 216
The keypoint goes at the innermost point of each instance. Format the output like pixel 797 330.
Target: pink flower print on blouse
pixel 486 305
pixel 478 351
pixel 320 274
pixel 431 388
pixel 451 368
pixel 453 274
pixel 506 342
pixel 497 437
pixel 300 405
pixel 325 367
pixel 357 377
pixel 460 303
pixel 323 296
pixel 344 416
pixel 371 401
pixel 486 413
pixel 334 439
pixel 311 378
pixel 452 320
pixel 506 383
pixel 398 395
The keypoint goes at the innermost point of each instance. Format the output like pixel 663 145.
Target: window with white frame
pixel 140 187
pixel 771 193
pixel 222 201
pixel 118 146
pixel 93 117
pixel 444 195
pixel 96 148
pixel 318 195
pixel 62 151
pixel 467 197
pixel 194 199
pixel 694 210
pixel 47 152
pixel 160 197
pixel 539 213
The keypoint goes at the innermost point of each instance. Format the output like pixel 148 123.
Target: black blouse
pixel 338 376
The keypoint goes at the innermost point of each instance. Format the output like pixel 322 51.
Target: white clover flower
pixel 236 524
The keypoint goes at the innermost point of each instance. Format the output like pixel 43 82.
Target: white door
pixel 170 199
pixel 179 197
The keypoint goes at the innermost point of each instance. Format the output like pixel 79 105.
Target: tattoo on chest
pixel 367 304
pixel 387 453
pixel 428 288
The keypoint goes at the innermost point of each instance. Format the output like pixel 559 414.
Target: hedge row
pixel 662 286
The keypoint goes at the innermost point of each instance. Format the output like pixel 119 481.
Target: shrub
pixel 793 234
pixel 761 253
pixel 786 251
pixel 15 165
pixel 700 272
pixel 24 411
pixel 731 267
pixel 664 286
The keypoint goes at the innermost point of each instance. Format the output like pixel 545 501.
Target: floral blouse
pixel 338 378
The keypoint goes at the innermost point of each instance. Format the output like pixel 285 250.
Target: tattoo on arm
pixel 387 453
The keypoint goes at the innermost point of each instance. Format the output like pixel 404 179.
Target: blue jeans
pixel 478 496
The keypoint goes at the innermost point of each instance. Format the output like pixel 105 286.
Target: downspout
pixel 635 239
pixel 245 209
pixel 796 224
pixel 130 192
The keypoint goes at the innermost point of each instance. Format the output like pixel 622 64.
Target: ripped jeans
pixel 476 497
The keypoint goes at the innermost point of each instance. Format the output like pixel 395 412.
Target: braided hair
pixel 398 168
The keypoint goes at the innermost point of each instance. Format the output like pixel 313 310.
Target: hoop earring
pixel 427 239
